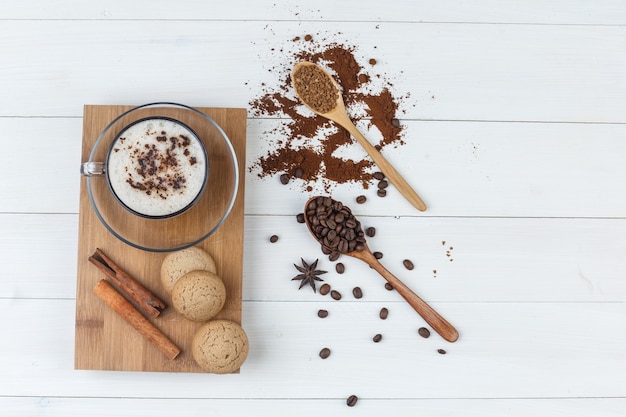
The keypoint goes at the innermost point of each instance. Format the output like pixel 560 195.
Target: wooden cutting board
pixel 104 341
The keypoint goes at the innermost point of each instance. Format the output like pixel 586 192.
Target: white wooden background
pixel 516 139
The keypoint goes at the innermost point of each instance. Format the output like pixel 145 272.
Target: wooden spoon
pixel 436 321
pixel 339 115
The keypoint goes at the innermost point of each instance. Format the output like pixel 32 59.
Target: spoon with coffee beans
pixel 320 93
pixel 335 227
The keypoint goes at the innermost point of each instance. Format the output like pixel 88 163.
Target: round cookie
pixel 199 295
pixel 220 346
pixel 177 264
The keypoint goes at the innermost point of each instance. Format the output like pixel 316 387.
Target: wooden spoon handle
pixel 436 321
pixel 390 172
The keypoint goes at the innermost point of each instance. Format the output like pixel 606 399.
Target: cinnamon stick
pixel 145 300
pixel 124 308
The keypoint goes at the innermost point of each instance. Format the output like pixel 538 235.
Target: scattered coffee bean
pixel 377 338
pixel 351 401
pixel 388 286
pixel 340 268
pixel 383 313
pixel 381 192
pixel 379 176
pixel 336 295
pixel 370 231
pixel 300 217
pixel 408 264
pixel 322 314
pixel 334 225
pixel 334 256
pixel 274 239
pixel 326 251
pixel 424 332
pixel 395 122
pixel 372 61
pixel 299 172
pixel 356 291
pixel 361 199
pixel 382 184
pixel 324 353
pixel 284 179
pixel 324 289
pixel 378 255
pixel 441 351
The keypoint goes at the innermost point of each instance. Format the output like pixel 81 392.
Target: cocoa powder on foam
pixel 319 164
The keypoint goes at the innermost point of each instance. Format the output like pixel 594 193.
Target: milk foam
pixel 157 167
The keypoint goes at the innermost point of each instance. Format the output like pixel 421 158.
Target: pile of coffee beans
pixel 334 225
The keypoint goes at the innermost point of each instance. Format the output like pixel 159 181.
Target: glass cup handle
pixel 89 169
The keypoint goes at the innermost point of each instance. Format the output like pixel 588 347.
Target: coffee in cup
pixel 156 167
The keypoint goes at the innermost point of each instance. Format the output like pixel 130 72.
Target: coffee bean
pixel 408 264
pixel 381 193
pixel 322 314
pixel 336 295
pixel 298 172
pixel 324 289
pixel 378 255
pixel 356 291
pixel 326 251
pixel 340 268
pixel 388 286
pixel 377 338
pixel 324 353
pixel 361 199
pixel 284 179
pixel 300 217
pixel 351 401
pixel 334 256
pixel 383 313
pixel 379 175
pixel 424 332
pixel 441 351
pixel 382 184
pixel 274 239
pixel 395 122
pixel 370 231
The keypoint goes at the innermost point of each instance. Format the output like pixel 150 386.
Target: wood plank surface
pixel 514 135
pixel 103 339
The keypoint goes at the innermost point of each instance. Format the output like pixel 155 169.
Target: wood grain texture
pixel 515 130
pixel 103 339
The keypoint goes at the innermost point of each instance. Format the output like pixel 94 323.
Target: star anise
pixel 308 274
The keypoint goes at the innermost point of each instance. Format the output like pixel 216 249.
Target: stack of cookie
pixel 198 293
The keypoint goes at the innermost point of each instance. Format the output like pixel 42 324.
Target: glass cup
pixel 156 167
pixel 200 211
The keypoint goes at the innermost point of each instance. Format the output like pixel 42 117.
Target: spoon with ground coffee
pixel 320 93
pixel 335 227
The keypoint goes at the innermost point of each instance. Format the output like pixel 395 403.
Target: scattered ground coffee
pixel 368 98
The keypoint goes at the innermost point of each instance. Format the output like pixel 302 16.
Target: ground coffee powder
pixel 368 98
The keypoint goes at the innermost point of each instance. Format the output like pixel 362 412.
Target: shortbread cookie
pixel 177 264
pixel 220 346
pixel 199 295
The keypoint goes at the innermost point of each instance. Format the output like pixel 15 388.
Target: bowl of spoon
pixel 335 227
pixel 321 94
